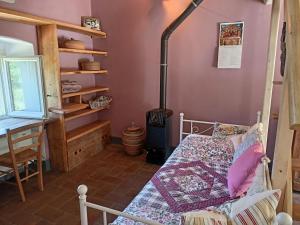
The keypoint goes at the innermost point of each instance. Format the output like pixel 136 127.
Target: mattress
pixel 193 178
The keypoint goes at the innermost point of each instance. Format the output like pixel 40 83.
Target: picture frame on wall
pixel 230 47
pixel 90 22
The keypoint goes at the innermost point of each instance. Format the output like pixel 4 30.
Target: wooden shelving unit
pixel 86 129
pixel 26 18
pixel 65 72
pixel 81 113
pixel 85 91
pixel 69 108
pixel 79 29
pixel 81 51
pixel 68 149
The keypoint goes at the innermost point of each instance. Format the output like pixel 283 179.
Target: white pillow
pixel 203 217
pixel 253 135
pixel 236 140
pixel 257 128
pixel 261 181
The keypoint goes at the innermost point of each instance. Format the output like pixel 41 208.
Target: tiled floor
pixel 113 179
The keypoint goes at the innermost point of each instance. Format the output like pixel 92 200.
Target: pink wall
pixel 67 10
pixel 195 86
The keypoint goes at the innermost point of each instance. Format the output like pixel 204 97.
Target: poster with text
pixel 230 45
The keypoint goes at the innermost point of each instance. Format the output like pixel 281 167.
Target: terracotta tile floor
pixel 113 179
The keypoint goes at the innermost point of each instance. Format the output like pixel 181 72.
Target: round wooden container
pixel 133 140
pixel 90 65
pixel 74 44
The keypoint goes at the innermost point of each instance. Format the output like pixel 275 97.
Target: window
pixel 21 88
pixel 2 103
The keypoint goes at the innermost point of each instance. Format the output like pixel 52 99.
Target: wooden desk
pixel 12 123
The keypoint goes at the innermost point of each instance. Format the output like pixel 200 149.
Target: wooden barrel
pixel 133 140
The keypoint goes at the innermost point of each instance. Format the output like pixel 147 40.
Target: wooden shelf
pixel 79 29
pixel 21 17
pixel 86 129
pixel 69 108
pixel 76 71
pixel 85 91
pixel 81 113
pixel 82 51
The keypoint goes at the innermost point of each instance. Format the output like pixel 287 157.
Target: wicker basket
pixel 133 140
pixel 90 66
pixel 74 44
pixel 100 102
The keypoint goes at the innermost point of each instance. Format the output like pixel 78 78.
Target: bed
pixel 193 178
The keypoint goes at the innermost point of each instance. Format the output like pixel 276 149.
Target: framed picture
pixel 231 33
pixel 90 22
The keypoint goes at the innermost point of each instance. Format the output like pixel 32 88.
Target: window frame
pixel 2 91
pixel 7 88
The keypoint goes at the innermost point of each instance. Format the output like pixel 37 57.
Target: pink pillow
pixel 242 171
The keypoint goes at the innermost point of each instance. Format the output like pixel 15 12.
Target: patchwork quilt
pixel 193 178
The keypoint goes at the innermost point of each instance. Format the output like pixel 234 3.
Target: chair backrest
pixel 25 137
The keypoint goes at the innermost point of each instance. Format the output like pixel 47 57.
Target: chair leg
pixel 20 186
pixel 40 175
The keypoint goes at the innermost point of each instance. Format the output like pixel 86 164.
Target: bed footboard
pixel 282 218
pixel 82 190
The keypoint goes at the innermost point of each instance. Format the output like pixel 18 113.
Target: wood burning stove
pixel 158 139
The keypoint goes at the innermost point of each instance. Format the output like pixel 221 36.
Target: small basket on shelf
pixel 100 102
pixel 90 65
pixel 74 44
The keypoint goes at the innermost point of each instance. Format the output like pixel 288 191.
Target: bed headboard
pixel 194 126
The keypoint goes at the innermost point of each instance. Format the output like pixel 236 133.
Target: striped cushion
pixel 258 209
pixel 203 217
pixel 262 212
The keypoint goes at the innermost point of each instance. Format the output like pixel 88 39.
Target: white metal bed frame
pixel 282 218
pixel 194 126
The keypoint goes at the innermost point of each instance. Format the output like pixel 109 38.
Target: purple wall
pixel 195 86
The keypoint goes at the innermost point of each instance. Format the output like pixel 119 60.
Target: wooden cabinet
pixel 86 146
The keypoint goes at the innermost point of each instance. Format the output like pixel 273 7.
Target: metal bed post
pixel 258 120
pixel 82 190
pixel 181 127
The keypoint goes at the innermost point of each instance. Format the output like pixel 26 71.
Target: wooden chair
pixel 30 150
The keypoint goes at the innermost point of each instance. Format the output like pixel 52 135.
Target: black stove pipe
pixel 164 50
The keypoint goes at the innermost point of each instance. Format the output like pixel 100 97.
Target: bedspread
pixel 193 178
